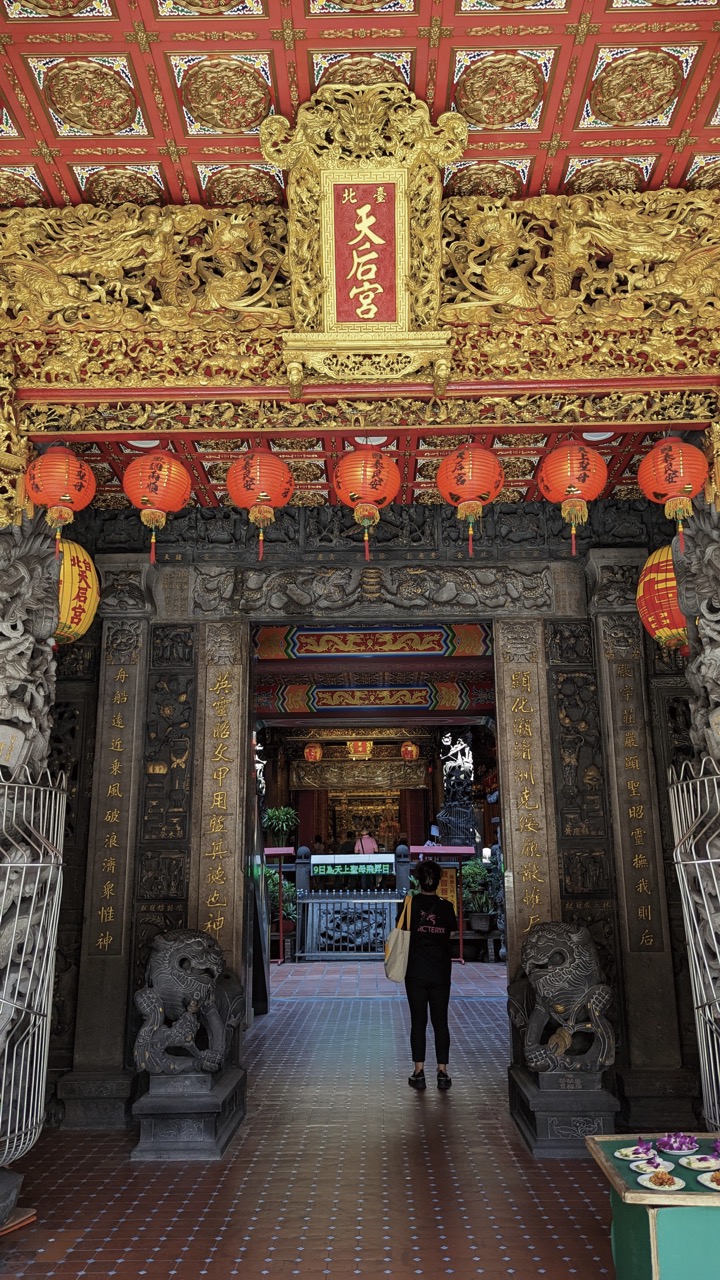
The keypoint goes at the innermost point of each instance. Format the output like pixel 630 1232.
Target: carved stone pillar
pixel 649 1059
pixel 528 821
pixel 223 774
pixel 28 619
pixel 97 1091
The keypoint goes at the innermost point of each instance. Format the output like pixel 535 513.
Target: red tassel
pixel 261 545
pixel 470 540
pixel 367 545
pixel 152 548
pixel 572 540
pixel 57 544
pixel 681 537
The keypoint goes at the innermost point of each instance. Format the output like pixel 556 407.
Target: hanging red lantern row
pixel 673 473
pixel 468 478
pixel 657 601
pixel 409 751
pixel 366 480
pixel 157 484
pixel 259 482
pixel 313 753
pixel 63 483
pixel 572 475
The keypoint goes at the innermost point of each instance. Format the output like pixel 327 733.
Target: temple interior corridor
pixel 339 1169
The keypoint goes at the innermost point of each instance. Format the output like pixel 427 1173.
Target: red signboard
pixel 365 252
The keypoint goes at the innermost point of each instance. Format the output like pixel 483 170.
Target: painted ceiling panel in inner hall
pixel 154 101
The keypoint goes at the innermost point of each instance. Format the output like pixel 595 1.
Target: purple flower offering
pixel 716 1147
pixel 644 1148
pixel 682 1143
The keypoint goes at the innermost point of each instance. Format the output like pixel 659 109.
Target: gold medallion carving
pixel 636 87
pixel 502 89
pixel 492 181
pixel 122 186
pixel 90 96
pixel 360 70
pixel 225 95
pixel 18 191
pixel 605 175
pixel 707 178
pixel 239 183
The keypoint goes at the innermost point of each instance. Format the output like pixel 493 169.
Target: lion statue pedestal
pixel 191 1005
pixel 565 1041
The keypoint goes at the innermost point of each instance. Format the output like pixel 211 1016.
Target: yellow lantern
pixel 79 592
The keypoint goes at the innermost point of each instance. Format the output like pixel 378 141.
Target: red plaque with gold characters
pixel 365 250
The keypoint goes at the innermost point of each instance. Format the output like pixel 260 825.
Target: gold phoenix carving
pixel 373 134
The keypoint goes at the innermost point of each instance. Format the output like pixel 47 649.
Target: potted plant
pixel 476 895
pixel 280 821
pixel 289 896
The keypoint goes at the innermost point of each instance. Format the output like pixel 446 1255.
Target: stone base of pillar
pixel 96 1100
pixel 555 1116
pixel 658 1101
pixel 190 1117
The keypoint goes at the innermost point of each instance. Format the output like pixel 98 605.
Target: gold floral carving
pixel 380 133
pixel 377 775
pixel 57 8
pixel 358 70
pixel 18 191
pixel 707 178
pixel 14 454
pixel 90 96
pixel 239 183
pixel 225 94
pixel 617 256
pixel 605 175
pixel 118 185
pixel 493 181
pixel 636 87
pixel 209 8
pixel 501 89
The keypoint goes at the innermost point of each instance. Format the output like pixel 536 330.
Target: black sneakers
pixel 417 1080
pixel 444 1081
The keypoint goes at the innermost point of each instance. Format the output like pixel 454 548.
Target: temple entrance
pixel 368 763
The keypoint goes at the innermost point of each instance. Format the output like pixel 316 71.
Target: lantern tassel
pixel 57 543
pixel 573 546
pixel 470 539
pixel 261 545
pixel 366 540
pixel 152 547
pixel 681 538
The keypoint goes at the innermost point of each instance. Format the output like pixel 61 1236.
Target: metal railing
pixel 695 804
pixel 342 925
pixel 31 829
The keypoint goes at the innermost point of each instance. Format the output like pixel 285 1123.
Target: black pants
pixel 435 996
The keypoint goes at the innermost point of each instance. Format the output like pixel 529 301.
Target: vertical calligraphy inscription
pixel 365 252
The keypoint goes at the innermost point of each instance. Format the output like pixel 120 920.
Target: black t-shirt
pixel 432 920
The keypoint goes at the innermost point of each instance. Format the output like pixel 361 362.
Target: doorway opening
pixel 379 747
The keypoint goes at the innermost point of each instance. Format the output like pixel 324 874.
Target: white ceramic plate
pixel 701 1164
pixel 631 1153
pixel 671 1151
pixel 644 1181
pixel 643 1166
pixel 705 1179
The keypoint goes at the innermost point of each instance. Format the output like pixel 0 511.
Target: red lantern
pixel 258 482
pixel 409 751
pixel 359 750
pixel 467 478
pixel 63 483
pixel 572 475
pixel 673 473
pixel 313 753
pixel 366 480
pixel 657 601
pixel 156 484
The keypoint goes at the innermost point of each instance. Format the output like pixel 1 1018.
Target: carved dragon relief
pixel 28 621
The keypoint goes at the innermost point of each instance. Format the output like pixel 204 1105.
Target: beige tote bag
pixel 397 946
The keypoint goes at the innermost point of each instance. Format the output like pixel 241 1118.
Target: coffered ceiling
pixel 148 101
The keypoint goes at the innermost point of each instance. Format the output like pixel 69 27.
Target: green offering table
pixel 659 1235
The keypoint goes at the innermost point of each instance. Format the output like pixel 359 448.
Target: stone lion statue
pixel 560 1004
pixel 190 1005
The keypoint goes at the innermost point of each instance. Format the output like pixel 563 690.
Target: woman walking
pixel 427 980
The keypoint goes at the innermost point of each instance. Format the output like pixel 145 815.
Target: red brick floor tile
pixel 339 1170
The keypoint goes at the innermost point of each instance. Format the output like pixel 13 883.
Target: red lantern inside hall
pixel 359 749
pixel 673 473
pixel 313 753
pixel 63 483
pixel 468 478
pixel 572 475
pixel 657 601
pixel 409 751
pixel 157 484
pixel 366 480
pixel 258 482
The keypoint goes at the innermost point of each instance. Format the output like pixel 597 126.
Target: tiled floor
pixel 339 1169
